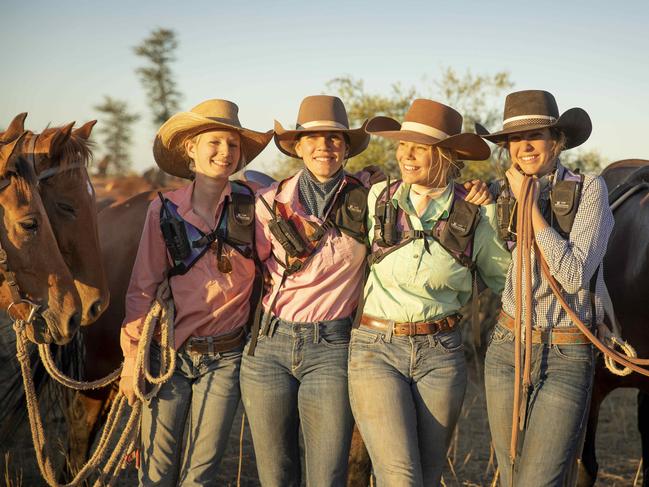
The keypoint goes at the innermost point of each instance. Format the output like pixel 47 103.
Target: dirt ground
pixel 469 462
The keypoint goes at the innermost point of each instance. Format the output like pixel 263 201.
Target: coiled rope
pixel 123 437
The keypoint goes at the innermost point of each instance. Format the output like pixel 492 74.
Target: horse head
pixel 35 284
pixel 60 157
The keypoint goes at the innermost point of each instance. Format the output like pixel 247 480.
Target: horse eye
pixel 30 225
pixel 64 207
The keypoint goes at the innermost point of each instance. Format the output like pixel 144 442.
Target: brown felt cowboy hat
pixel 431 123
pixel 168 148
pixel 321 113
pixel 534 109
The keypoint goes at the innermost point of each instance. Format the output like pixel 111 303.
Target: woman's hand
pixel 479 193
pixel 127 388
pixel 515 178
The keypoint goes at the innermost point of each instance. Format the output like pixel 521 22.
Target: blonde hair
pixel 446 165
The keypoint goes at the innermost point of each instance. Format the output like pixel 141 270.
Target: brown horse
pixel 34 269
pixel 60 157
pixel 626 271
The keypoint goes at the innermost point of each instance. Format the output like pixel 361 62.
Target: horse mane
pixel 26 180
pixel 75 150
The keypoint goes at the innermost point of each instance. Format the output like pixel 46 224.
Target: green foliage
pixel 115 130
pixel 590 161
pixel 157 78
pixel 476 97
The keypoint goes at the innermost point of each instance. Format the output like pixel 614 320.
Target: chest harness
pixel 186 243
pixel 393 227
pixel 393 230
pixel 560 212
pixel 301 238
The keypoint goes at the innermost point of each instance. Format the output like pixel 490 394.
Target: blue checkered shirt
pixel 572 261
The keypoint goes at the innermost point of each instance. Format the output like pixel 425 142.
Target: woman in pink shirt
pixel 311 235
pixel 211 273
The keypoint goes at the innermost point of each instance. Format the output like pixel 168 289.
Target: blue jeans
pixel 205 387
pixel 406 395
pixel 562 378
pixel 298 378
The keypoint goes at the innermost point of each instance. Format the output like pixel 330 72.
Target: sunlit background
pixel 61 58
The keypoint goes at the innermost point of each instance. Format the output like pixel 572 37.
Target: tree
pixel 157 78
pixel 476 97
pixel 115 129
pixel 589 161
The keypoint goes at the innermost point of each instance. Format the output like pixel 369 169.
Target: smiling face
pixel 216 154
pixel 323 153
pixel 533 151
pixel 420 165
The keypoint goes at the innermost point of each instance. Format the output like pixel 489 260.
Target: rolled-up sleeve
pixel 491 257
pixel 573 261
pixel 148 272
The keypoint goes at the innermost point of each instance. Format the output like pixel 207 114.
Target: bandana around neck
pixel 316 196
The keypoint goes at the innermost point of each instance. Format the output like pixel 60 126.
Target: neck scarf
pixel 316 196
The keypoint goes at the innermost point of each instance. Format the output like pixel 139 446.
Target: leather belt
pixel 411 329
pixel 215 344
pixel 558 336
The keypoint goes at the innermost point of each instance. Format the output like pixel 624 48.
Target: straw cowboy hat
pixel 431 123
pixel 321 113
pixel 536 109
pixel 168 148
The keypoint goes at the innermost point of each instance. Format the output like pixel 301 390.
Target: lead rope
pixel 161 313
pixel 523 261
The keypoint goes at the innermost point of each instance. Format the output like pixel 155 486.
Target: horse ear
pixel 9 154
pixel 16 128
pixel 84 130
pixel 55 140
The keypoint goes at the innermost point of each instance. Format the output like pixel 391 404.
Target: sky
pixel 61 58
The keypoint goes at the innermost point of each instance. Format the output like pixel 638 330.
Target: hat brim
pixel 169 152
pixel 469 147
pixel 286 139
pixel 574 123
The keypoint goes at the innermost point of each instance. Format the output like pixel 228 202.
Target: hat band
pixel 528 120
pixel 424 129
pixel 321 123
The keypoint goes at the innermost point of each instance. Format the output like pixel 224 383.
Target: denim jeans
pixel 205 388
pixel 298 378
pixel 406 394
pixel 557 408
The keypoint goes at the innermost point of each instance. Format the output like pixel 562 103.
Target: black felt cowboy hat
pixel 432 123
pixel 534 109
pixel 321 113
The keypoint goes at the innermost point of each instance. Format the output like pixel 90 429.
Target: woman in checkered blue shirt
pixel 571 222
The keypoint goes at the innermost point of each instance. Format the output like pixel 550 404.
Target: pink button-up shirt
pixel 208 302
pixel 329 286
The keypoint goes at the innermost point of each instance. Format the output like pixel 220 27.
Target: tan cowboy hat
pixel 534 109
pixel 431 123
pixel 321 113
pixel 168 149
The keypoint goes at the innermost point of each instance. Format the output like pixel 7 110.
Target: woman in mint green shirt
pixel 407 372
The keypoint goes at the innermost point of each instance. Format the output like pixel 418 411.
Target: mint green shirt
pixel 412 285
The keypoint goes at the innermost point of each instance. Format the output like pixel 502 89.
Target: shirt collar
pixel 437 209
pixel 182 198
